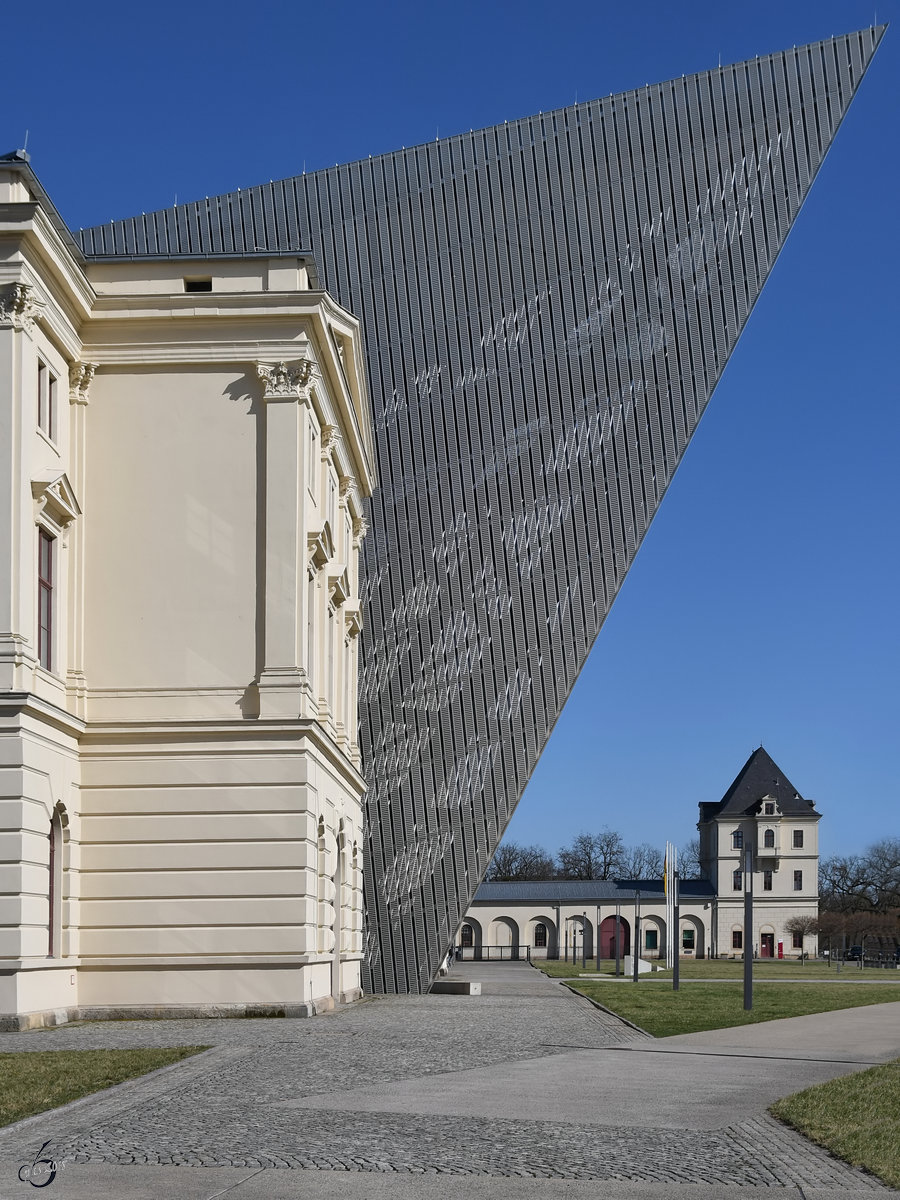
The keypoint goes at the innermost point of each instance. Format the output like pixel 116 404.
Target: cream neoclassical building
pixel 761 813
pixel 185 446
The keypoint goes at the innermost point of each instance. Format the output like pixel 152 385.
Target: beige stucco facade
pixel 185 449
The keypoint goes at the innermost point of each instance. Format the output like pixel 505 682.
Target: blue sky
pixel 762 605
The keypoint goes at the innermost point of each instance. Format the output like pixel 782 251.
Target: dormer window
pixel 769 808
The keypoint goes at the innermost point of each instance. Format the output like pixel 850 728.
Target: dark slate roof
pixel 585 891
pixel 759 777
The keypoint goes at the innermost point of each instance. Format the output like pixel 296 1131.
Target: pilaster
pixel 283 676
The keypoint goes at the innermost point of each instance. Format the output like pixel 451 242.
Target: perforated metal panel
pixel 548 305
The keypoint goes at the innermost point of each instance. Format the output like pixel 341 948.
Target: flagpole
pixel 676 922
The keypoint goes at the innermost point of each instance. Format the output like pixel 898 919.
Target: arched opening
pixel 337 881
pixel 608 938
pixel 692 941
pixel 504 939
pixel 653 937
pixel 470 939
pixel 541 936
pixel 55 884
pixel 579 937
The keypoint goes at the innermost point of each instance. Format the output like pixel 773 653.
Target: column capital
pixel 19 306
pixel 286 380
pixel 80 376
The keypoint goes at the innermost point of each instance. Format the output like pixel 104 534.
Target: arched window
pixel 737 839
pixel 467 937
pixel 769 839
pixel 55 887
pixel 737 880
pixel 540 936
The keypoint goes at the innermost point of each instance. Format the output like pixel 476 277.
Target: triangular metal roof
pixel 760 778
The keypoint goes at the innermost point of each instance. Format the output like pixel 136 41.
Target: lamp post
pixel 676 921
pixel 637 935
pixel 583 941
pixel 597 947
pixel 748 930
pixel 618 937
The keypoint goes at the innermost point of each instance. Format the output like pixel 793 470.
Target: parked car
pixel 855 952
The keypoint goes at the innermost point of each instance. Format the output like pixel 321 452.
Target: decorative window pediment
pixel 320 545
pixel 353 618
pixel 338 583
pixel 56 498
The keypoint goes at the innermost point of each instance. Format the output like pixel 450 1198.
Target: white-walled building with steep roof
pixel 762 812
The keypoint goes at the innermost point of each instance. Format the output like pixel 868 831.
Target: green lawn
pixel 34 1081
pixel 856 1117
pixel 700 1006
pixel 726 968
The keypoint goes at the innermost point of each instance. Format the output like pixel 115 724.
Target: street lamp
pixel 635 949
pixel 748 930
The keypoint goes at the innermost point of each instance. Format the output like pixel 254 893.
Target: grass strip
pixel 35 1081
pixel 725 968
pixel 703 1006
pixel 856 1117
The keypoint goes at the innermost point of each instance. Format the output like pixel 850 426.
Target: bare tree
pixel 689 860
pixel 643 862
pixel 805 926
pixel 859 883
pixel 512 861
pixel 593 856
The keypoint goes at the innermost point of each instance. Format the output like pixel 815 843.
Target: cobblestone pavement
pixel 236 1105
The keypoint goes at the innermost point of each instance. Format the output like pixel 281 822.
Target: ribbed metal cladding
pixel 548 305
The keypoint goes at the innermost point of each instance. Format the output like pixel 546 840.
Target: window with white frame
pixel 45 582
pixel 46 401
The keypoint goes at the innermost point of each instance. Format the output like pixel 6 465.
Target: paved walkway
pixel 526 1091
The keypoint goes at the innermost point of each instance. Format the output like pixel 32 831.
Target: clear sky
pixel 763 603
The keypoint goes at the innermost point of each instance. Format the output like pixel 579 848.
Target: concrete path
pixel 526 1091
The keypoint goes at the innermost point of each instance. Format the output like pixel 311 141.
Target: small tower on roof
pixel 765 813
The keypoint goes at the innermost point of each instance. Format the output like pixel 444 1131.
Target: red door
pixel 767 945
pixel 608 938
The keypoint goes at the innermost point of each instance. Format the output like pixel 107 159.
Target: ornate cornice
pixel 18 306
pixel 286 380
pixel 360 529
pixel 346 488
pixel 331 435
pixel 80 376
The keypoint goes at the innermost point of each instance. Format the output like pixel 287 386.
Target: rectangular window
pixel 770 808
pixel 737 939
pixel 46 401
pixel 312 465
pixel 687 939
pixel 46 548
pixel 797 941
pixel 798 881
pixel 311 631
pixel 737 839
pixel 651 939
pixel 798 839
pixel 767 881
pixel 737 881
